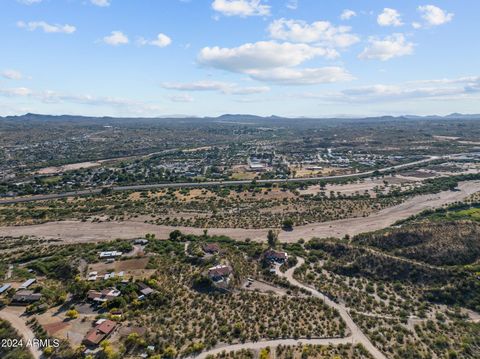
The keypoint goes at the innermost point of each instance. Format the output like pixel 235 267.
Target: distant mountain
pixel 463 116
pixel 238 117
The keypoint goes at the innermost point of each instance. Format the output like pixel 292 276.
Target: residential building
pixel 28 283
pixel 276 256
pixel 26 297
pixel 219 273
pixel 99 332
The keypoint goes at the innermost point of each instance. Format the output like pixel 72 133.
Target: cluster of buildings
pixel 103 296
pixel 108 294
pixel 23 295
pixel 93 276
pixel 221 273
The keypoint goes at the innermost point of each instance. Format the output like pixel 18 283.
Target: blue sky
pixel 209 57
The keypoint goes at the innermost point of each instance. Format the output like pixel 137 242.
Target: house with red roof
pixel 101 331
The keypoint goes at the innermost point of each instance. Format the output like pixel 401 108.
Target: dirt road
pixel 13 316
pixel 356 335
pixel 273 344
pixel 77 232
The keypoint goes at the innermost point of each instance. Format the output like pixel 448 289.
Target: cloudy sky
pixel 209 57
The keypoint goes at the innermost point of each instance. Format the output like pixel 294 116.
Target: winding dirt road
pixel 272 344
pixel 78 232
pixel 356 335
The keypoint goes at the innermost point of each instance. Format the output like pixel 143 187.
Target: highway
pixel 43 197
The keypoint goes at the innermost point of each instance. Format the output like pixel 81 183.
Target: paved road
pixel 13 316
pixel 356 335
pixel 209 184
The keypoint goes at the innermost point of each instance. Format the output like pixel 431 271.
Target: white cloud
pixel 216 86
pixel 101 3
pixel 249 90
pixel 196 86
pixel 181 98
pixel 435 16
pixel 16 91
pixel 12 75
pixel 416 25
pixel 29 2
pixel 116 38
pixel 262 55
pixel 292 4
pixel 320 32
pixel 306 76
pixel 387 48
pixel 347 14
pixel 52 97
pixel 463 87
pixel 274 62
pixel 162 40
pixel 389 17
pixel 446 81
pixel 241 8
pixel 46 27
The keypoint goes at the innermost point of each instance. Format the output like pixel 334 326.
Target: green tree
pixel 175 235
pixel 287 224
pixel 272 238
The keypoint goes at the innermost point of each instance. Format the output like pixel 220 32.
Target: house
pixel 276 256
pixel 109 275
pixel 26 297
pixel 5 287
pixel 99 332
pixel 211 248
pixel 28 283
pixel 257 167
pixel 103 296
pixel 110 254
pixel 145 289
pixel 219 273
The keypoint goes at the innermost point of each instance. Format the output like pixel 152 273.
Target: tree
pixel 272 238
pixel 201 282
pixel 48 351
pixel 287 224
pixel 72 314
pixel 106 191
pixel 175 235
pixel 169 352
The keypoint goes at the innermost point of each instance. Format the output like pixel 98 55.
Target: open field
pixel 76 231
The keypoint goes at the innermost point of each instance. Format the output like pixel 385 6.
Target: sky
pixel 314 58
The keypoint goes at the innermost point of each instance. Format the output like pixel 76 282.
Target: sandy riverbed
pixel 76 232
